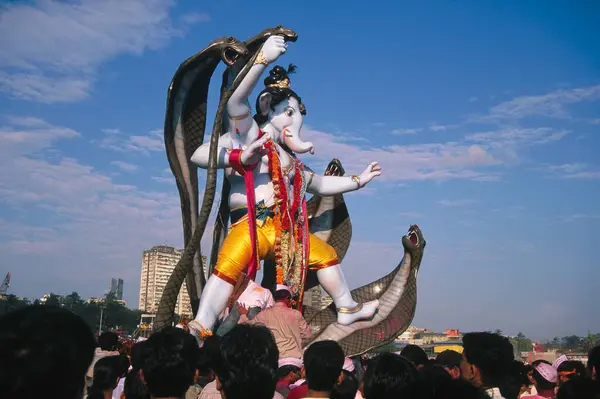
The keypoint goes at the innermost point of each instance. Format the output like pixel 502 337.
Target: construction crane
pixel 5 284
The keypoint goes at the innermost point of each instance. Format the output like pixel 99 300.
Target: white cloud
pixel 575 171
pixel 405 131
pixel 436 127
pixel 551 105
pixel 473 158
pixel 195 17
pixel 116 140
pixel 517 136
pixel 64 216
pixel 124 166
pixel 50 50
pixel 455 203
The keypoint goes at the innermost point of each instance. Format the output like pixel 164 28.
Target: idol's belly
pixel 263 191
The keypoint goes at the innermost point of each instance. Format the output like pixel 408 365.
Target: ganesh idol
pixel 267 196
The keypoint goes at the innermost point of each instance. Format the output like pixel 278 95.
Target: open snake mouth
pixel 230 56
pixel 335 168
pixel 413 236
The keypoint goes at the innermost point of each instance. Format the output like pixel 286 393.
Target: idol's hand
pixel 273 47
pixel 369 174
pixel 255 151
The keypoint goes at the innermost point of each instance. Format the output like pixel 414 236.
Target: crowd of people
pixel 48 351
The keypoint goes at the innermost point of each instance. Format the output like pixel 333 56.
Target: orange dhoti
pixel 236 252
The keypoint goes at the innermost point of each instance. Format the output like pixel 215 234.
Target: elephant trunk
pixel 294 143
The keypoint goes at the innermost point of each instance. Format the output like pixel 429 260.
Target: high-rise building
pixel 157 265
pixel 116 288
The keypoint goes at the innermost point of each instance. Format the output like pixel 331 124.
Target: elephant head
pixel 281 112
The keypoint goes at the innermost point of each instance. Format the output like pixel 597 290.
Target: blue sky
pixel 485 120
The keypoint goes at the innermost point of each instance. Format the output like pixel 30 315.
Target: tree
pixel 555 343
pixel 53 300
pixel 571 342
pixel 522 343
pixel 498 332
pixel 115 314
pixel 590 341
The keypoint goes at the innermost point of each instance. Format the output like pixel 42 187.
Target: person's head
pixel 516 381
pixel 434 374
pixel 347 388
pixel 134 387
pixel 284 296
pixel 485 358
pixel 388 375
pixel 446 389
pixel 415 354
pixel 169 360
pixel 451 361
pixel 593 363
pixel 570 369
pixel 44 347
pixel 108 341
pixel 137 354
pixel 544 377
pixel 282 108
pixel 289 373
pixel 207 360
pixel 107 373
pixel 248 363
pixel 579 388
pixel 323 363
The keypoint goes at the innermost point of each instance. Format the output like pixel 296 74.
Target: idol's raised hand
pixel 273 47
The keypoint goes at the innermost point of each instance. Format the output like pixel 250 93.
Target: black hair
pixel 134 387
pixel 208 356
pixel 286 370
pixel 281 295
pixel 577 368
pixel 491 353
pixel 248 363
pixel 515 378
pixel 347 388
pixel 449 358
pixel 107 372
pixel 581 388
pixel 137 354
pixel 594 361
pixel 108 341
pixel 447 389
pixel 541 382
pixel 415 354
pixel 434 374
pixel 388 376
pixel 44 347
pixel 169 360
pixel 277 75
pixel 323 362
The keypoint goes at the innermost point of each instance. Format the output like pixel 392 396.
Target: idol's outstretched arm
pixel 333 185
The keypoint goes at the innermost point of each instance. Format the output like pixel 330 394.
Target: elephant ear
pixel 264 103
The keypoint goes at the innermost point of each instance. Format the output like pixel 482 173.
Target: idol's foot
pixel 199 332
pixel 362 311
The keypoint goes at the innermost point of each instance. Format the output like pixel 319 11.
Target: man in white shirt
pixel 251 296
